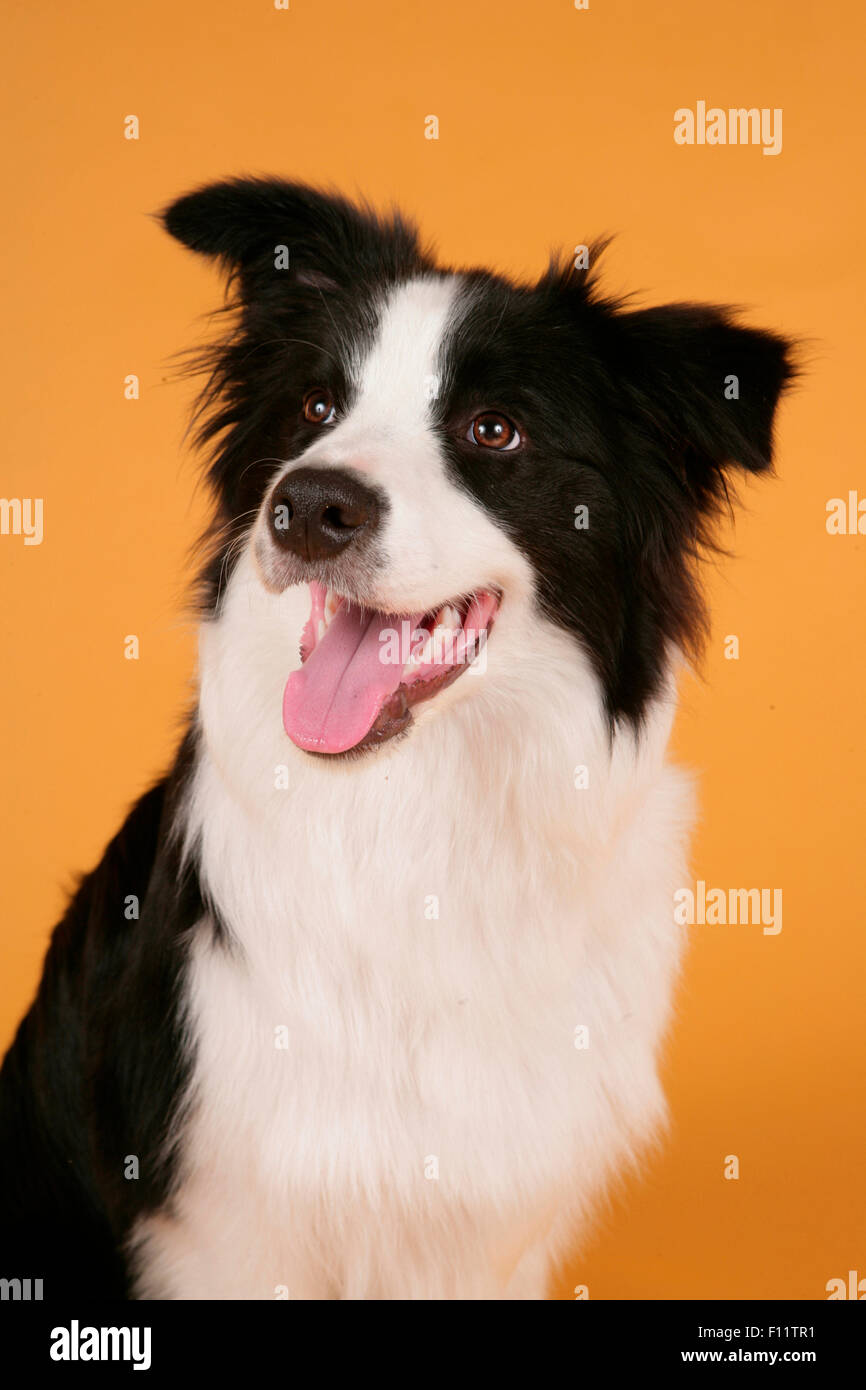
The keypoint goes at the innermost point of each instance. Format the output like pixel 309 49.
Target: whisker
pixel 233 521
pixel 232 548
pixel 257 461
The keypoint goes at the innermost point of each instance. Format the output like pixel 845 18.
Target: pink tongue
pixel 333 700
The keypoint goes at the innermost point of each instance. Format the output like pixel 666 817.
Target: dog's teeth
pixel 320 629
pixel 450 617
pixel 332 603
pixel 443 643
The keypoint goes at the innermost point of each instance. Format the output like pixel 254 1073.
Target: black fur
pixel 624 411
pixel 289 329
pixel 97 1070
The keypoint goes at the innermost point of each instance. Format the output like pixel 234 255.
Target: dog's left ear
pixel 251 224
pixel 705 387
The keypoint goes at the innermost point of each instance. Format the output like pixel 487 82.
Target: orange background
pixel 555 124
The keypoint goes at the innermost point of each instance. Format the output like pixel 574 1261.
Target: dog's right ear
pixel 252 225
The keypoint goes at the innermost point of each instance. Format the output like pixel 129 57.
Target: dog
pixel 365 1000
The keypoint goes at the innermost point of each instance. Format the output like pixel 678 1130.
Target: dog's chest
pixel 416 1018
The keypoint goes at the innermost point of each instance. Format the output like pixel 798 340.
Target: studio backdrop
pixel 718 146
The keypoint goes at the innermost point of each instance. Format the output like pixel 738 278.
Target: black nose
pixel 317 512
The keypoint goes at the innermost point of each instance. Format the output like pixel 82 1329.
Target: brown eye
pixel 493 431
pixel 319 407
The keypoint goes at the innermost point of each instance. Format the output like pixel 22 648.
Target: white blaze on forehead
pixel 435 542
pixel 399 377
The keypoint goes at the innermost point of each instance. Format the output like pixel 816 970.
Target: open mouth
pixel 363 670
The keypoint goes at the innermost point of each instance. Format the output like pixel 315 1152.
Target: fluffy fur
pixel 340 1039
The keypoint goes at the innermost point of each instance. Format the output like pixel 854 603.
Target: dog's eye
pixel 493 431
pixel 319 408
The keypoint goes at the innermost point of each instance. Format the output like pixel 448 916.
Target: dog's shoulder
pixel 97 1065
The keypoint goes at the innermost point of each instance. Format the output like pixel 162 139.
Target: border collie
pixel 365 999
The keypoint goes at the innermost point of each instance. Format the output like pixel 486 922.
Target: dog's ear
pixel 705 387
pixel 255 225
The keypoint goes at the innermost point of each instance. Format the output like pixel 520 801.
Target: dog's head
pixel 444 457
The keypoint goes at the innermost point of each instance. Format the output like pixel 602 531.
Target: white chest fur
pixel 436 1033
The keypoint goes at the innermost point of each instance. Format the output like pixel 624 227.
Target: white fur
pixel 412 1038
